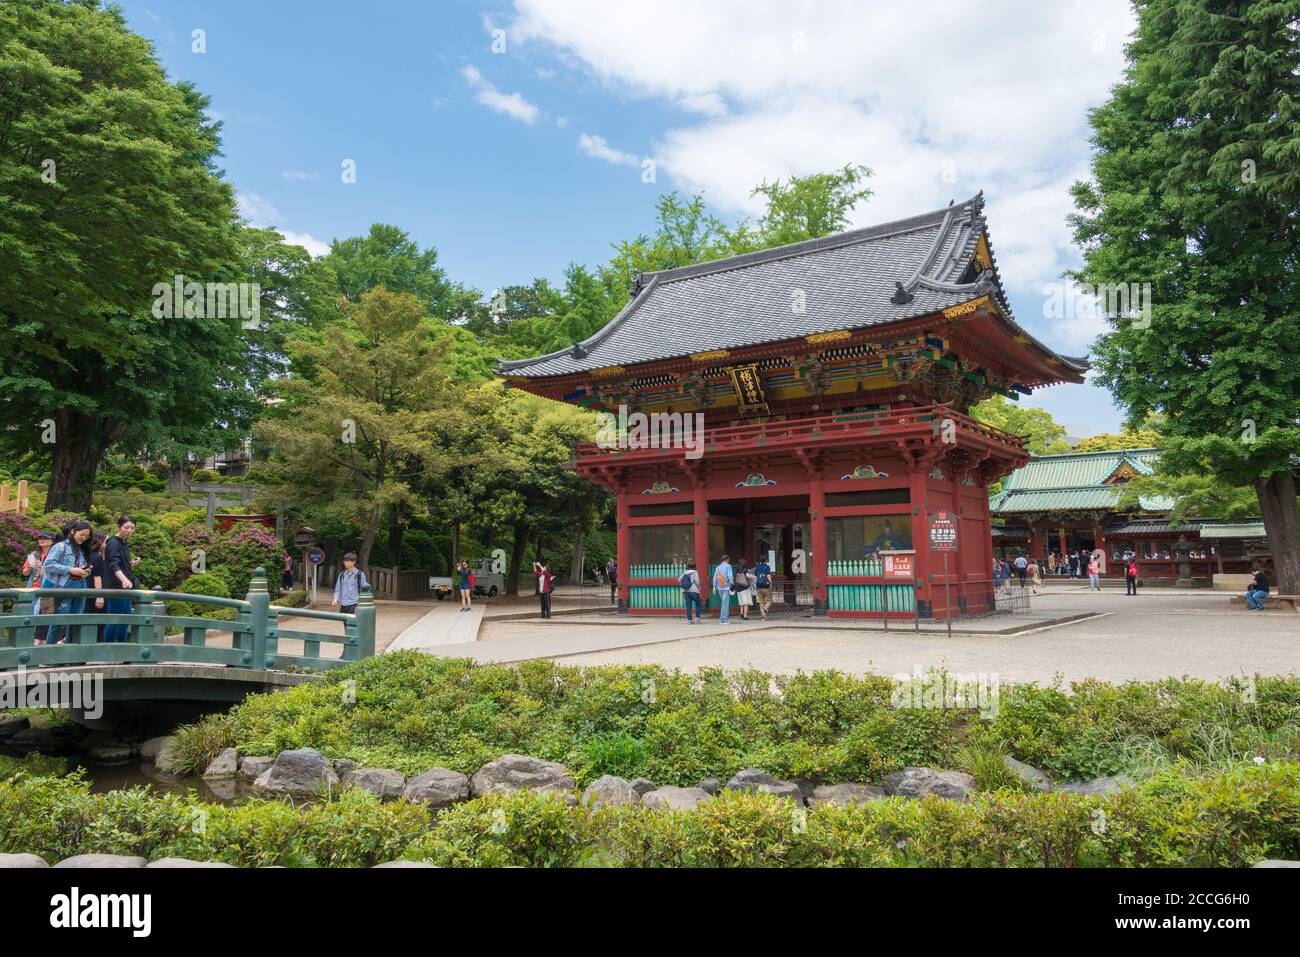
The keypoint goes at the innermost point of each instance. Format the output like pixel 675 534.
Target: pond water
pixel 116 777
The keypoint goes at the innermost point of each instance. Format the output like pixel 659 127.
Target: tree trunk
pixel 396 533
pixel 579 558
pixel 1277 502
pixel 516 559
pixel 77 451
pixel 178 475
pixel 368 539
pixel 455 546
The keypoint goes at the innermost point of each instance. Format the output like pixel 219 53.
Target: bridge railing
pixel 255 632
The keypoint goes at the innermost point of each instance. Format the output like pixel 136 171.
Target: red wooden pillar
pixel 623 511
pixel 1037 536
pixel 702 540
pixel 916 476
pixel 817 560
pixel 988 543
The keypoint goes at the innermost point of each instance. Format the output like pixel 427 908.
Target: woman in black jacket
pixel 119 568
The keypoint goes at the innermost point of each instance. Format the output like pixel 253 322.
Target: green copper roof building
pixel 1079 481
pixel 1073 504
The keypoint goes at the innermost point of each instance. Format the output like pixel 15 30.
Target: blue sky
pixel 511 136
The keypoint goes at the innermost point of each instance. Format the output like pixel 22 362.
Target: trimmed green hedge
pixel 413 712
pixel 1233 819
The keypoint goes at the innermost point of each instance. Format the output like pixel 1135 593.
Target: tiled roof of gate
pixel 1074 482
pixel 847 281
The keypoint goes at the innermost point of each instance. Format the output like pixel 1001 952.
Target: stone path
pixel 443 624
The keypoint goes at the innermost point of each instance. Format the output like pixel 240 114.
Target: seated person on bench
pixel 1257 591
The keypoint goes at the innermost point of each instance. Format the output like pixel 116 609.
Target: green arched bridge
pixel 250 652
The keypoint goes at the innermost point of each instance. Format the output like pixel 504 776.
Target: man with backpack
pixel 763 583
pixel 723 579
pixel 1130 577
pixel 690 582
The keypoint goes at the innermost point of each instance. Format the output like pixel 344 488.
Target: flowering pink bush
pixel 239 551
pixel 17 538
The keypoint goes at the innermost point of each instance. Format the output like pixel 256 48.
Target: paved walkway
pixel 443 624
pixel 1155 635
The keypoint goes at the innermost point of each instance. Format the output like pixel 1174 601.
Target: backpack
pixel 742 581
pixel 685 581
pixel 764 581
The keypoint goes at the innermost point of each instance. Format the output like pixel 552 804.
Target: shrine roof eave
pixel 1040 366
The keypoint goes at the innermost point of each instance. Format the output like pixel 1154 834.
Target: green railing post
pixel 24 635
pixel 365 615
pixel 259 605
pixel 146 632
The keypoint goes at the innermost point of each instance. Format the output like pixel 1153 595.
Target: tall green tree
pixel 1196 191
pixel 109 186
pixel 387 256
pixel 1043 435
pixel 809 207
pixel 358 430
pixel 523 490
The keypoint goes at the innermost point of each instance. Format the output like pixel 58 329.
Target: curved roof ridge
pixel 805 246
pixel 595 339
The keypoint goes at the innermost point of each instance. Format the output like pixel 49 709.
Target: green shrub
pixel 153 546
pixel 204 583
pixel 617 753
pixel 1230 819
pixel 527 830
pixel 413 712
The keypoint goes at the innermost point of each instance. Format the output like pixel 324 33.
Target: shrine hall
pixel 833 379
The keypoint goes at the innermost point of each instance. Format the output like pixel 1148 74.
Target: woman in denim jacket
pixel 68 566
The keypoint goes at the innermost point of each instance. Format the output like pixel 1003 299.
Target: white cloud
pixel 562 122
pixel 595 146
pixel 511 104
pixel 710 104
pixel 297 174
pixel 307 241
pixel 940 98
pixel 260 212
pixel 257 209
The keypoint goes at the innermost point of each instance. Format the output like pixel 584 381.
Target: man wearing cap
pixel 347 590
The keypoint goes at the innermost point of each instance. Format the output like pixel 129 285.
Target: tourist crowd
pixel 78 556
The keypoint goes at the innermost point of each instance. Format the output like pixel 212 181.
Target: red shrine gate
pixel 822 497
pixel 832 379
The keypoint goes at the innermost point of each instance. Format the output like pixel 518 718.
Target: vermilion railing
pixel 819 429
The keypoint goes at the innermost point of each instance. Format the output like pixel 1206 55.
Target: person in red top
pixel 545 585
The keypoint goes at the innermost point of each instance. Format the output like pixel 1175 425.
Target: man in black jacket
pixel 1257 591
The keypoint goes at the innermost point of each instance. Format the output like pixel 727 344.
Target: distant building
pixel 1068 503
